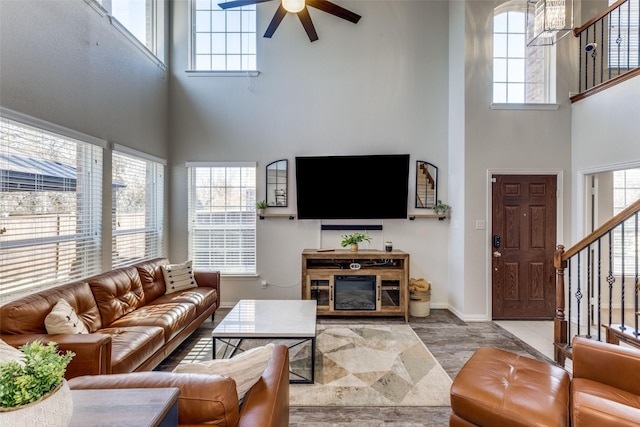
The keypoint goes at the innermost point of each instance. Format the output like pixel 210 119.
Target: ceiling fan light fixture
pixel 293 6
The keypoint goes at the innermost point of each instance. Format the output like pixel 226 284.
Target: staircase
pixel 596 293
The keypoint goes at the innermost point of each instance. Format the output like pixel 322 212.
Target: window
pixel 142 19
pixel 222 40
pixel 626 190
pixel 519 71
pixel 222 217
pixel 624 43
pixel 137 206
pixel 50 208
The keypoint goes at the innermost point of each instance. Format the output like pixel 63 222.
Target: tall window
pixel 222 40
pixel 520 72
pixel 626 190
pixel 137 207
pixel 50 208
pixel 222 217
pixel 143 19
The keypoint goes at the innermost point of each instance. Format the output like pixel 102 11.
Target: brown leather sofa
pixel 498 388
pixel 132 324
pixel 212 399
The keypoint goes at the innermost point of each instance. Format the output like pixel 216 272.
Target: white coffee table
pixel 271 319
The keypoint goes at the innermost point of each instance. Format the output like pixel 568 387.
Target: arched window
pixel 521 74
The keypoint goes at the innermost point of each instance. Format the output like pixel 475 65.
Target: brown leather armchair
pixel 207 400
pixel 605 390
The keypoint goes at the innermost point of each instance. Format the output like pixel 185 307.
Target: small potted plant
pixel 441 209
pixel 260 207
pixel 36 384
pixel 353 240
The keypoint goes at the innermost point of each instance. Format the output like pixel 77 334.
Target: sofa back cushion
pixel 26 315
pixel 151 276
pixel 117 293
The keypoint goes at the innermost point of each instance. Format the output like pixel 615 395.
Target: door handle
pixel 497 254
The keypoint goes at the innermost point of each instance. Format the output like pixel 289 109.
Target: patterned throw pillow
pixel 246 368
pixel 63 320
pixel 178 277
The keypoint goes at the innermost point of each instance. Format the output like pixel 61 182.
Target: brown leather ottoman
pixel 498 388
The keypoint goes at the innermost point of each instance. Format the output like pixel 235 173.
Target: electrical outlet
pixel 263 284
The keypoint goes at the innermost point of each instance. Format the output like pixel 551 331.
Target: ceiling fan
pixel 299 7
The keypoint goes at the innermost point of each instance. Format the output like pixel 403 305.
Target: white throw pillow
pixel 9 353
pixel 178 277
pixel 63 320
pixel 246 368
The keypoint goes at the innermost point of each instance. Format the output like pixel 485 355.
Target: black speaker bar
pixel 350 227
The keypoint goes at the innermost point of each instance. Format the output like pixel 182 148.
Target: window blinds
pixel 137 209
pixel 222 217
pixel 626 190
pixel 623 37
pixel 50 208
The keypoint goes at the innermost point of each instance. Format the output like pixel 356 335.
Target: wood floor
pixel 449 339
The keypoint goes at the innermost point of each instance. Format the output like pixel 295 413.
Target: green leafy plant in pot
pixel 261 206
pixel 442 209
pixel 35 383
pixel 353 240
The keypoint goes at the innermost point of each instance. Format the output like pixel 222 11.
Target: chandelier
pixel 548 21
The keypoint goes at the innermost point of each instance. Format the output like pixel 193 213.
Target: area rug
pixel 372 365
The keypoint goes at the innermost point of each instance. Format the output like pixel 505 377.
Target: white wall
pixel 513 141
pixel 376 87
pixel 64 63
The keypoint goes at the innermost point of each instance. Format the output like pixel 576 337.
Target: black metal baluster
pixel 611 280
pixel 589 284
pixel 602 50
pixel 609 47
pixel 578 295
pixel 628 35
pixel 594 55
pixel 599 288
pixel 568 274
pixel 580 64
pixel 636 333
pixel 622 326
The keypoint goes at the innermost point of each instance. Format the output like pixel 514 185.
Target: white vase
pixel 51 410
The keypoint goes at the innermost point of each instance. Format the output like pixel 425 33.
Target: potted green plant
pixel 353 240
pixel 36 384
pixel 261 206
pixel 441 209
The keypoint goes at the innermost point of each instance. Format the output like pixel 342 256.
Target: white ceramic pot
pixel 51 410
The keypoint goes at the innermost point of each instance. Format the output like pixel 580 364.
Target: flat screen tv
pixel 352 187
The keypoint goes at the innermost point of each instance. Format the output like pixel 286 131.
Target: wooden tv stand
pixel 387 272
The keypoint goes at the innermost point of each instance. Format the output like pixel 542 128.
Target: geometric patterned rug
pixel 371 365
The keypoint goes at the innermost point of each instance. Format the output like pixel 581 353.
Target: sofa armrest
pixel 203 400
pixel 210 279
pixel 608 364
pixel 266 404
pixel 93 351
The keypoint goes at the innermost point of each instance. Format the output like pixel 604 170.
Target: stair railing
pixel 609 48
pixel 580 273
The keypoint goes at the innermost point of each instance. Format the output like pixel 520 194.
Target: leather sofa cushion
pixel 117 293
pixel 26 315
pixel 132 346
pixel 171 317
pixel 152 279
pixel 201 297
pixel 496 387
pixel 597 404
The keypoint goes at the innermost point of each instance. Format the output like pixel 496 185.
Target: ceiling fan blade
pixel 275 21
pixel 334 9
pixel 239 3
pixel 305 19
